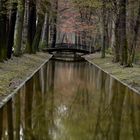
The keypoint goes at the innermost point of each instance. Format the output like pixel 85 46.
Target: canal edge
pixel 123 83
pixel 15 91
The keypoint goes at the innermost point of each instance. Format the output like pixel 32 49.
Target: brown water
pixel 71 101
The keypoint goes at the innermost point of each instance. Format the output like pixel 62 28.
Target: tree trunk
pixel 134 40
pixel 117 42
pixel 104 29
pixel 20 21
pixel 3 30
pixel 123 38
pixel 31 28
pixel 76 39
pixel 12 23
pixel 35 45
pixel 79 39
pixel 54 25
pixel 45 40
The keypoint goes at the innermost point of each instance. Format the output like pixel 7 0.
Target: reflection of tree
pixel 38 111
pixel 44 78
pixel 78 118
pixel 117 108
pixel 39 122
pixel 81 100
pixel 50 75
pixel 1 122
pixel 102 114
pixel 95 76
pixel 17 115
pixel 50 98
pixel 135 115
pixel 103 123
pixel 10 120
pixel 28 107
pixel 108 125
pixel 42 119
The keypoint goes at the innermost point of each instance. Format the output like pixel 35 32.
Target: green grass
pixel 130 76
pixel 16 70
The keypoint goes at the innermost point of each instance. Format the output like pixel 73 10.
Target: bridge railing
pixel 74 46
pixel 71 48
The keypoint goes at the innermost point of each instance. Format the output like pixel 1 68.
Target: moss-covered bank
pixel 16 70
pixel 129 76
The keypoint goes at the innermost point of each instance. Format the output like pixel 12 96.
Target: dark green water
pixel 71 101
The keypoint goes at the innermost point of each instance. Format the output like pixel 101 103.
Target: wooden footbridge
pixel 75 48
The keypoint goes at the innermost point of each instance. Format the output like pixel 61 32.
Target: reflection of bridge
pixel 75 48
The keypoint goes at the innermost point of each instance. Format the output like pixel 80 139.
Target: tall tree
pixel 45 33
pixel 104 28
pixel 116 32
pixel 19 28
pixel 3 30
pixel 54 23
pixel 36 40
pixel 134 38
pixel 31 28
pixel 123 37
pixel 41 18
pixel 12 22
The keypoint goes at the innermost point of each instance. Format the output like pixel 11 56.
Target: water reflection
pixel 71 101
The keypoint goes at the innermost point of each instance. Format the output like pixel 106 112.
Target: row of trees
pixel 25 25
pixel 115 23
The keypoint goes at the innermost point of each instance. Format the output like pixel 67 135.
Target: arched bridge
pixel 75 48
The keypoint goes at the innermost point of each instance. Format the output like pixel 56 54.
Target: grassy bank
pixel 14 71
pixel 129 76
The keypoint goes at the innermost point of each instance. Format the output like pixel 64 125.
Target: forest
pixel 96 97
pixel 27 26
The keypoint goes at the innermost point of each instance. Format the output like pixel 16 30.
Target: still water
pixel 71 101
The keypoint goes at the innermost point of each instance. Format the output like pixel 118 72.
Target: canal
pixel 71 101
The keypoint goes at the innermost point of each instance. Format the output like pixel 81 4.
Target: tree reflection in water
pixel 71 101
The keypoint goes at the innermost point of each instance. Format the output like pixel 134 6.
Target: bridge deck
pixel 70 48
